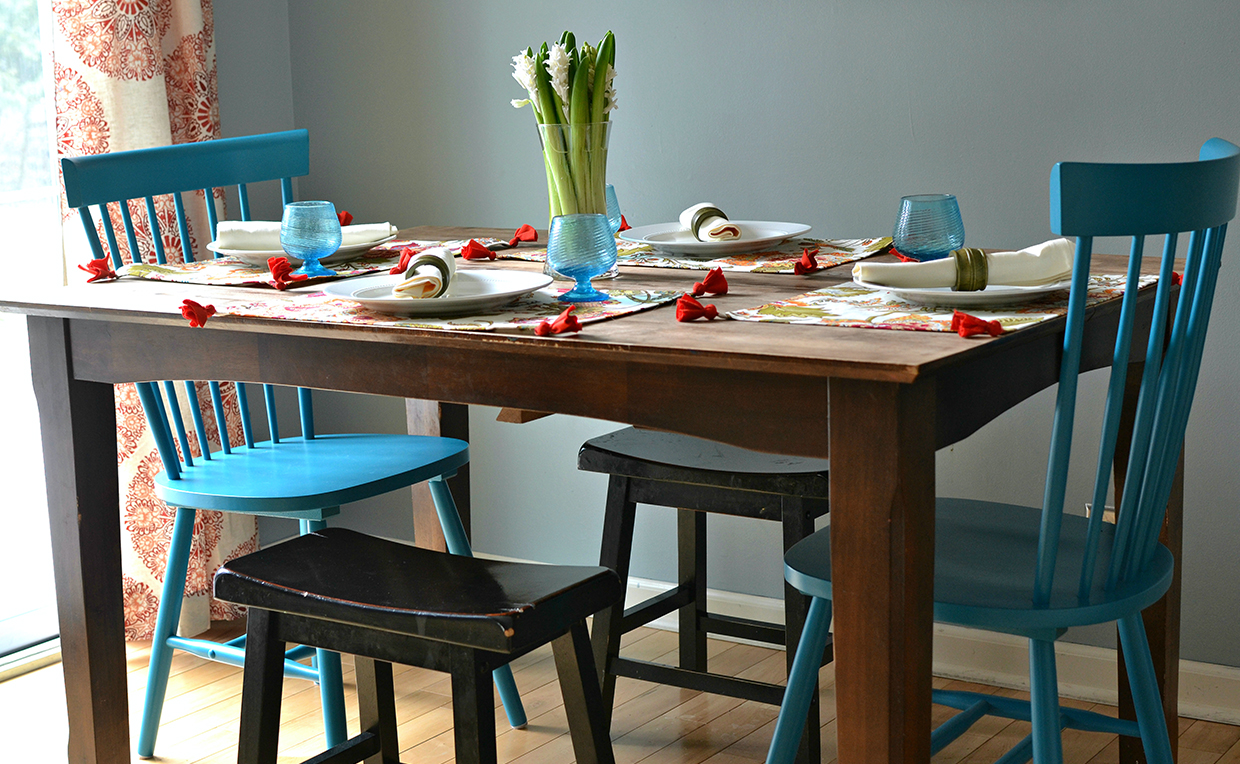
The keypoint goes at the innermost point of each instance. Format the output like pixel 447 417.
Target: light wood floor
pixel 652 724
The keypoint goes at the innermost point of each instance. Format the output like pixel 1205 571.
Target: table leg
pixel 79 452
pixel 450 420
pixel 1162 619
pixel 882 546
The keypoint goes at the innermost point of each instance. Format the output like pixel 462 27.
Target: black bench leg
pixel 376 702
pixel 473 707
pixel 588 717
pixel 691 540
pixel 261 689
pixel 798 523
pixel 615 551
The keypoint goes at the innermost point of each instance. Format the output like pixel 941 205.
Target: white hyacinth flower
pixel 517 103
pixel 523 72
pixel 557 67
pixel 609 95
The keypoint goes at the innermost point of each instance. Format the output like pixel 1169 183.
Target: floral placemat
pixel 229 271
pixel 858 306
pixel 780 259
pixel 525 313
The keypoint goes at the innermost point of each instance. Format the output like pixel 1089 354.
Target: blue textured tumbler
pixel 581 247
pixel 929 226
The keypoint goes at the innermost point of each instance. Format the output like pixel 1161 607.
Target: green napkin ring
pixel 971 269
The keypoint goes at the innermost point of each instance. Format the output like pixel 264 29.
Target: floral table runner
pixel 780 259
pixel 858 306
pixel 525 313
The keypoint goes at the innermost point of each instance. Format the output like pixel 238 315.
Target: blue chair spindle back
pixel 103 179
pixel 1095 200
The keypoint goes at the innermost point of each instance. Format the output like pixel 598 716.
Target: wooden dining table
pixel 878 403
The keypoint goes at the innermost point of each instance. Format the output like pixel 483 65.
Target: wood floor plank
pixel 651 723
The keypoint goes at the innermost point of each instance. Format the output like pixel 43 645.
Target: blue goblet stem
pixel 581 247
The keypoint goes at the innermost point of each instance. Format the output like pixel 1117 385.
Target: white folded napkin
pixel 1045 263
pixel 428 274
pixel 264 235
pixel 708 223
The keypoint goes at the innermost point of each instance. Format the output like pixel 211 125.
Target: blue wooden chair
pixel 306 477
pixel 1036 572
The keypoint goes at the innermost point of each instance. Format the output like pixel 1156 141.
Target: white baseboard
pixel 1207 691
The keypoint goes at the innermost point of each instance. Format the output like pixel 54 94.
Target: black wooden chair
pixel 387 603
pixel 697 477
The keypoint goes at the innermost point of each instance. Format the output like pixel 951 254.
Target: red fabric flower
pixel 99 270
pixel 282 275
pixel 689 309
pixel 524 233
pixel 345 216
pixel 197 314
pixel 406 254
pixel 714 283
pixel 903 257
pixel 808 263
pixel 624 225
pixel 967 326
pixel 475 251
pixel 1176 278
pixel 565 322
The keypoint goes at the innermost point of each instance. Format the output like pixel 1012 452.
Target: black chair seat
pixel 387 602
pixel 698 477
pixel 682 458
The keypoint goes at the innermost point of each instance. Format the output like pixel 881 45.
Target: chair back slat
pixel 109 232
pixel 195 410
pixel 243 403
pixel 131 237
pixel 174 409
pixel 213 217
pixel 157 238
pixel 1091 200
pixel 243 199
pixel 221 420
pixel 305 406
pixel 269 398
pixel 1112 415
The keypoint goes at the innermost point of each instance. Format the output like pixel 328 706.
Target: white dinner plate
pixel 755 235
pixel 995 294
pixel 472 291
pixel 259 256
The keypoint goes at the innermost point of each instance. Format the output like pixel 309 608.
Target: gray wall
pixel 825 113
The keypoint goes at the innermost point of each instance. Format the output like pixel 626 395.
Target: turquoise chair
pixel 1037 572
pixel 306 477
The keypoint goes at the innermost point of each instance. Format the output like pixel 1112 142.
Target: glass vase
pixel 575 157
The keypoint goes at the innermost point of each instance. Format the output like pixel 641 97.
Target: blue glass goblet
pixel 581 247
pixel 309 231
pixel 929 226
pixel 613 209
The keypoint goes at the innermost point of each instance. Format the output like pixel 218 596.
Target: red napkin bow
pixel 903 257
pixel 714 283
pixel 406 254
pixel 197 314
pixel 475 251
pixel 689 309
pixel 345 216
pixel 808 263
pixel 565 322
pixel 282 275
pixel 624 224
pixel 524 233
pixel 99 270
pixel 967 326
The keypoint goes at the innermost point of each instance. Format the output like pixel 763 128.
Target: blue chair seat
pixel 985 555
pixel 303 476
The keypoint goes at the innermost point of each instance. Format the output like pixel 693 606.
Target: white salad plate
pixel 755 235
pixel 995 294
pixel 259 256
pixel 472 291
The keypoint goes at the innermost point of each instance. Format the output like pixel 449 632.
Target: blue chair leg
pixel 331 682
pixel 797 695
pixel 1145 696
pixel 458 543
pixel 1044 701
pixel 165 626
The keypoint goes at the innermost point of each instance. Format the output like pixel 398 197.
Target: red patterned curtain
pixel 134 74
